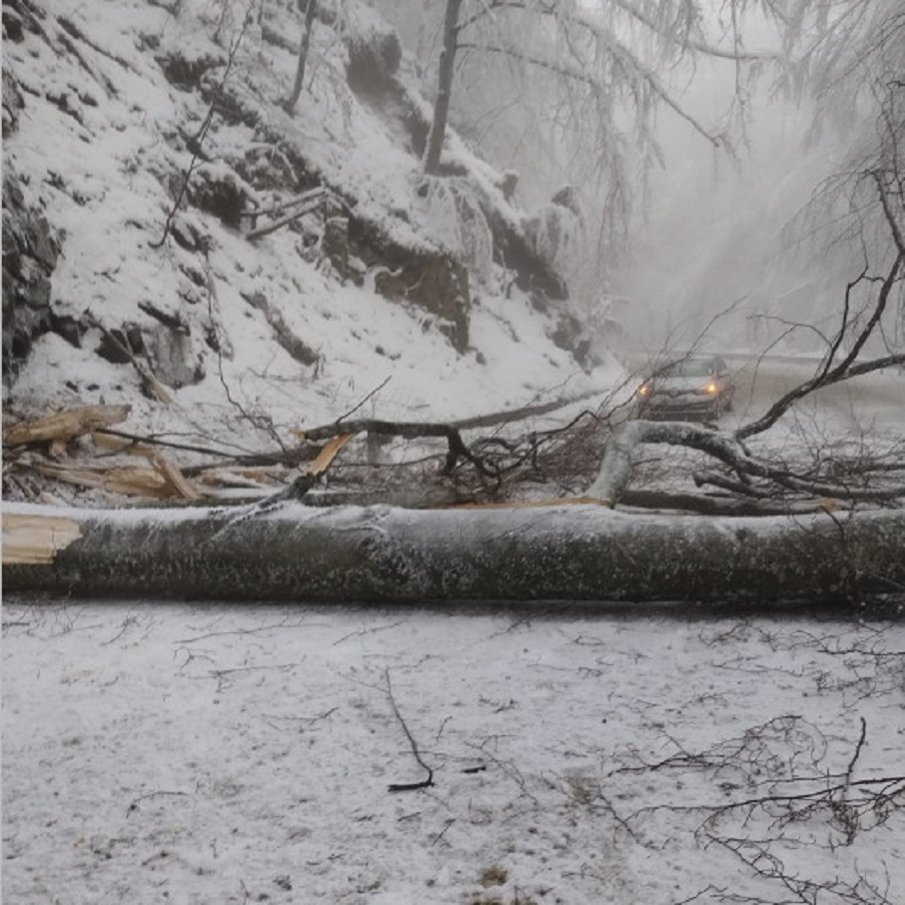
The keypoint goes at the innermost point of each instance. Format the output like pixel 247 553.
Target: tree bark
pixel 303 57
pixel 446 70
pixel 568 553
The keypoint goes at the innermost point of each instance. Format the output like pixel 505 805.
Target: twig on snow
pixel 407 786
pixel 133 806
pixel 858 747
pixel 449 822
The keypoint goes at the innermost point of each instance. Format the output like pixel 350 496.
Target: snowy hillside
pixel 113 293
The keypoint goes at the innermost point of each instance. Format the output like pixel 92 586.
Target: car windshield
pixel 689 367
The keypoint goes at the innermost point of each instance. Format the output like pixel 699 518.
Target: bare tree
pixel 304 44
pixel 445 72
pixel 586 52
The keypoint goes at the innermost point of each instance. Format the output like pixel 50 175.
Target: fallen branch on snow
pixel 429 779
pixel 615 473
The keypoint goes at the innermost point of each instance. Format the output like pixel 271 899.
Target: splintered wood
pixel 161 480
pixel 174 480
pixel 36 539
pixel 65 425
pixel 326 456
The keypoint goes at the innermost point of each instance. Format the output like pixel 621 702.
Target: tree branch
pixel 407 786
pixel 846 368
pixel 627 59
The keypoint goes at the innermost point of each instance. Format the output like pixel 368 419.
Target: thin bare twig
pixel 407 786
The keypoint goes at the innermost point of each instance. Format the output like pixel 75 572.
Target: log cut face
pixel 33 539
pixel 379 553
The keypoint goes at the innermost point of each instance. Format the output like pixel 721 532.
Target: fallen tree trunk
pixel 355 554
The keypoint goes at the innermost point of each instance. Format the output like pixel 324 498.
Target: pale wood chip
pixel 57 448
pixel 66 424
pixel 173 476
pixel 120 444
pixel 130 480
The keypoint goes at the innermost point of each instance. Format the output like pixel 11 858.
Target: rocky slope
pixel 147 153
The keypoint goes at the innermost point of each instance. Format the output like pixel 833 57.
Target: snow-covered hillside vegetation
pixel 147 151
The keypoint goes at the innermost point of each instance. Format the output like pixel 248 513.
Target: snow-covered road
pixel 874 401
pixel 198 754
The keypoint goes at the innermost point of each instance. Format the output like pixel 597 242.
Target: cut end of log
pixel 36 539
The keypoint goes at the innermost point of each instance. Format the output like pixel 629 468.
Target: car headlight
pixel 712 388
pixel 644 390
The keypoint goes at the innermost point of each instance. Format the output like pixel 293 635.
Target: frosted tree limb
pixel 616 468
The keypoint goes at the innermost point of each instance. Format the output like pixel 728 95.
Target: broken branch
pixel 66 424
pixel 407 786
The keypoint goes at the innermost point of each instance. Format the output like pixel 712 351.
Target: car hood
pixel 680 384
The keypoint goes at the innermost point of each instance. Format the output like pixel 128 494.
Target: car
pixel 697 387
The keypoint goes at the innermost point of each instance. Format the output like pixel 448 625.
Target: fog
pixel 719 239
pixel 727 250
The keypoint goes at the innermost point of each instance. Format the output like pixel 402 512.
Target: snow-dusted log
pixel 379 553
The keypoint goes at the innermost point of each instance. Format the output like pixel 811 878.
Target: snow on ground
pixel 197 754
pixel 104 171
